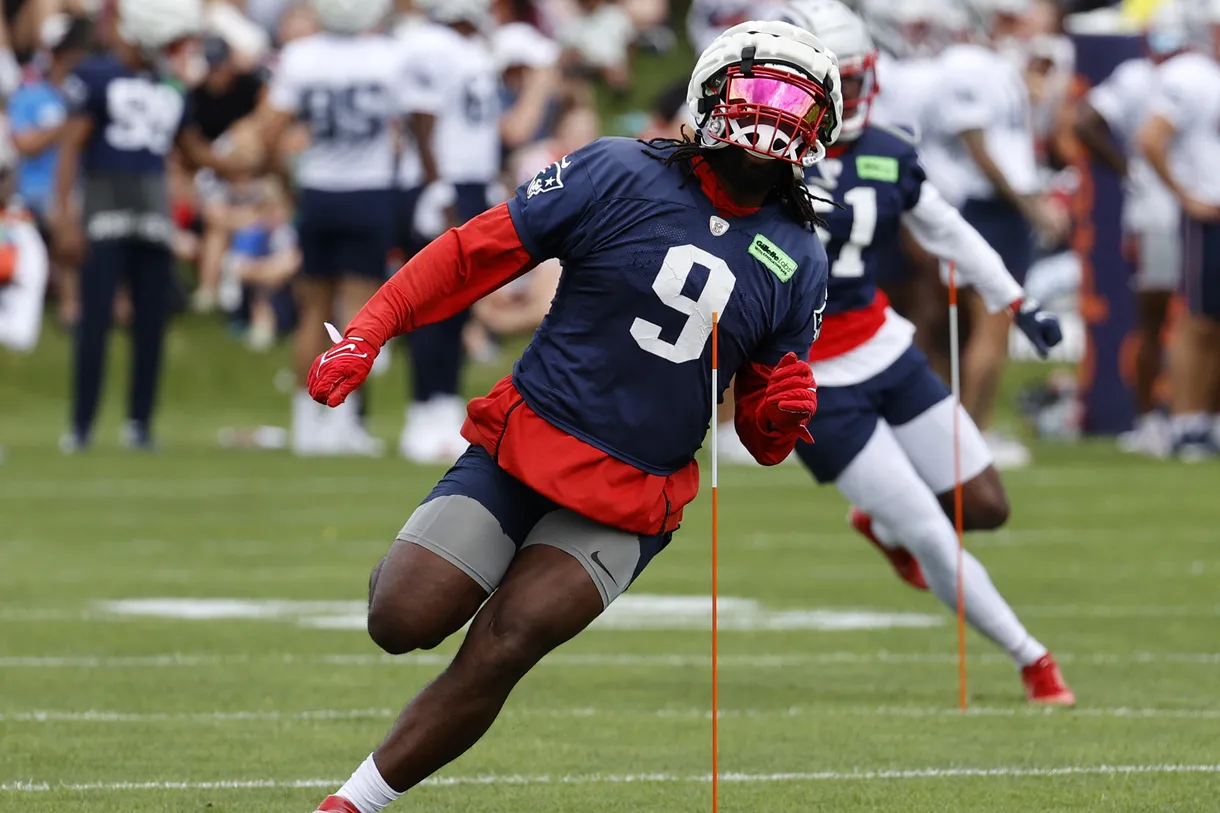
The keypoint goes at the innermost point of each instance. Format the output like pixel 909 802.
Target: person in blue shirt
pixel 125 114
pixel 37 112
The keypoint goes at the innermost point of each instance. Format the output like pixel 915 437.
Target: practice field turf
pixel 839 683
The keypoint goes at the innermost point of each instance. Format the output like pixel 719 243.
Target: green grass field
pixel 1112 561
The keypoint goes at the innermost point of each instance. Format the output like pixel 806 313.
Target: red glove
pixel 791 399
pixel 340 370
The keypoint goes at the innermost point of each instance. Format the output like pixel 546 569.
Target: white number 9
pixel 668 286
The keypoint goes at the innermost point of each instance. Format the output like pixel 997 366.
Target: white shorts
pixel 1158 260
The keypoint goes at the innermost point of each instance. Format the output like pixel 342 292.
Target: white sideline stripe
pixel 594 660
pixel 661 778
pixel 1121 712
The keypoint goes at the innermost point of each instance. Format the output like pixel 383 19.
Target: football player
pixel 582 461
pixel 125 114
pixel 1108 123
pixel 1181 140
pixel 346 84
pixel 456 81
pixel 884 427
pixel 979 149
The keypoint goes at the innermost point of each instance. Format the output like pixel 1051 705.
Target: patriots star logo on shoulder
pixel 549 179
pixel 773 258
pixel 719 226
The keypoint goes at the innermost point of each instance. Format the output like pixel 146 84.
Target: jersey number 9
pixel 678 263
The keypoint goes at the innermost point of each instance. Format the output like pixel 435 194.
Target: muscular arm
pixel 1153 141
pixel 456 270
pixel 976 146
pixel 422 126
pixel 1093 131
pixel 943 232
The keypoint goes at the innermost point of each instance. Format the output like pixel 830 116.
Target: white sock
pixel 304 415
pixel 885 535
pixel 883 482
pixel 367 790
pixel 1193 423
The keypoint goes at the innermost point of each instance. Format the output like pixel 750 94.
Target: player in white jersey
pixel 457 82
pixel 345 83
pixel 910 34
pixel 980 152
pixel 883 433
pixel 1108 123
pixel 1182 142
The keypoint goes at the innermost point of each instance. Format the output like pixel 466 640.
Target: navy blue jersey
pixel 875 181
pixel 623 359
pixel 136 118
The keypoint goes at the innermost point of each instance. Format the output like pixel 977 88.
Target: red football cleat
pixel 901 559
pixel 336 804
pixel 1045 684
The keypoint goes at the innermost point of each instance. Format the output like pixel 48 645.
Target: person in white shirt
pixel 980 153
pixel 23 263
pixel 346 83
pixel 1181 140
pixel 455 79
pixel 1107 124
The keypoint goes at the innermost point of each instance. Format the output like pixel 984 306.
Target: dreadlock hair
pixel 793 195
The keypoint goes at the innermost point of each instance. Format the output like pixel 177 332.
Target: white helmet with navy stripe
pixel 846 35
pixel 156 24
pixel 914 28
pixel 351 16
pixel 770 88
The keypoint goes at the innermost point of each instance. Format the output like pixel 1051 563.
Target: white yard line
pixel 1121 712
pixel 179 660
pixel 660 778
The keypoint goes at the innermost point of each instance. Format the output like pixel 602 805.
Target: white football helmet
pixel 987 15
pixel 770 88
pixel 351 16
pixel 155 24
pixel 475 12
pixel 846 35
pixel 909 29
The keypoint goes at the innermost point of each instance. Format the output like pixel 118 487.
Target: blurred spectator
pixel 23 263
pixel 37 113
pixel 21 29
pixel 526 60
pixel 249 41
pixel 264 257
pixel 297 22
pixel 707 19
pixel 10 71
pixel 669 114
pixel 227 95
pixel 597 42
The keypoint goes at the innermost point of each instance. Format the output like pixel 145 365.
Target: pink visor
pixel 776 94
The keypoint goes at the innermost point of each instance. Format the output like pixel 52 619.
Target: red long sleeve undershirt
pixel 469 262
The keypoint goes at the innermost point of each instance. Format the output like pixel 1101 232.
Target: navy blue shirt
pixel 874 182
pixel 136 118
pixel 623 359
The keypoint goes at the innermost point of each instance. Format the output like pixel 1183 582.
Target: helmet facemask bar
pixel 771 112
pixel 860 88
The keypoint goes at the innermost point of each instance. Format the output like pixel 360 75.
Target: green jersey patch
pixel 877 168
pixel 773 257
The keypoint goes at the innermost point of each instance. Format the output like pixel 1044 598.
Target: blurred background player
pixel 884 428
pixel 1108 124
pixel 455 80
pixel 346 83
pixel 1181 141
pixel 125 116
pixel 980 153
pixel 584 458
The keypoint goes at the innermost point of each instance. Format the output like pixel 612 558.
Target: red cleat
pixel 1045 684
pixel 336 804
pixel 901 559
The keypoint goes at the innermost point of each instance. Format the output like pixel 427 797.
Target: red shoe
pixel 336 804
pixel 901 559
pixel 1045 684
